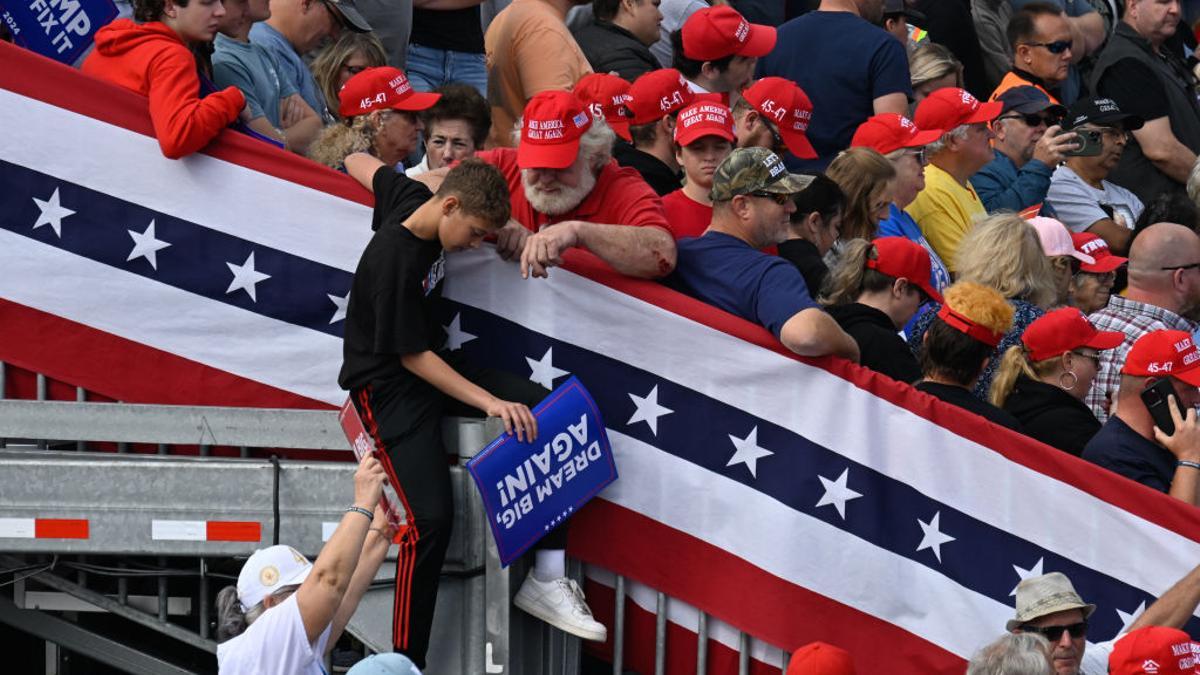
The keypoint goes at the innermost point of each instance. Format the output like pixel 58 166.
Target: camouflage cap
pixel 748 170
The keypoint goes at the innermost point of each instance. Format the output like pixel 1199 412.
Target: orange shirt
pixel 1011 79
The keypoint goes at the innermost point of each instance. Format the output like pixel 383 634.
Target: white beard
pixel 558 203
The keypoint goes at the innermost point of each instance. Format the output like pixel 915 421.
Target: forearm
pixel 1183 485
pixel 373 552
pixel 1087 34
pixel 430 367
pixel 812 332
pixel 1174 607
pixel 321 593
pixel 1176 161
pixel 300 135
pixel 646 252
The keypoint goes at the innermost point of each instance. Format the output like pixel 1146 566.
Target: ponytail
pixel 1013 365
pixel 850 277
pixel 231 621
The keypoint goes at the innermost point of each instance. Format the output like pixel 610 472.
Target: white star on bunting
pixel 648 410
pixel 245 277
pixel 456 337
pixel 836 493
pixel 543 371
pixel 146 245
pixel 340 303
pixel 932 537
pixel 1128 619
pixel 52 213
pixel 748 451
pixel 1035 571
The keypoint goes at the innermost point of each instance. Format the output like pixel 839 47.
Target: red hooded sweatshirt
pixel 151 60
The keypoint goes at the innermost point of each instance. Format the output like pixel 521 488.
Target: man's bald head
pixel 1171 246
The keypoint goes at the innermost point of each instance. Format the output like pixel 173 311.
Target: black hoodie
pixel 1051 415
pixel 882 348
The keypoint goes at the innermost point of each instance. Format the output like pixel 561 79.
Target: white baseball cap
pixel 269 570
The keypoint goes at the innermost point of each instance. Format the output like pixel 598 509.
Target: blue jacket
pixel 1001 185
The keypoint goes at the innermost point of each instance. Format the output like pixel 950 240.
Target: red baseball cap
pixel 605 96
pixel 703 119
pixel 381 88
pixel 716 32
pixel 1153 650
pixel 1058 332
pixel 951 107
pixel 888 132
pixel 1095 246
pixel 550 130
pixel 900 257
pixel 657 94
pixel 1164 353
pixel 820 658
pixel 785 104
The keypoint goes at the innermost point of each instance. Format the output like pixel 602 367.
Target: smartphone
pixel 1155 398
pixel 1091 143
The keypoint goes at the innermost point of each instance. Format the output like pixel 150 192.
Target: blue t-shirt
pixel 843 63
pixel 1120 449
pixel 292 70
pixel 900 224
pixel 728 273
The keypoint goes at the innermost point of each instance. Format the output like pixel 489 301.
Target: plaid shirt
pixel 1134 319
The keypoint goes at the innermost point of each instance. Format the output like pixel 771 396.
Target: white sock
pixel 550 564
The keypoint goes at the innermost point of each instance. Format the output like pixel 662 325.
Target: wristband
pixel 1189 464
pixel 371 516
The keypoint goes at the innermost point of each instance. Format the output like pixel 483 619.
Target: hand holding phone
pixel 1090 144
pixel 1182 438
pixel 1157 397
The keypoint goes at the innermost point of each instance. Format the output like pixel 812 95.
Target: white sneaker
pixel 561 604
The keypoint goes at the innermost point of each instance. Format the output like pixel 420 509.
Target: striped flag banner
pixel 791 499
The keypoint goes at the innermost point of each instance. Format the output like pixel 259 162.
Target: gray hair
pixel 231 620
pixel 959 132
pixel 1013 654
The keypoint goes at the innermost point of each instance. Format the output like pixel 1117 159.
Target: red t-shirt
pixel 620 197
pixel 685 216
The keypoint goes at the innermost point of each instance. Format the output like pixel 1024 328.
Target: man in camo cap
pixel 752 199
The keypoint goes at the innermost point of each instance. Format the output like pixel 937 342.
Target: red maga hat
pixel 888 132
pixel 1164 353
pixel 1095 246
pixel 900 257
pixel 1058 332
pixel 382 88
pixel 1153 650
pixel 657 94
pixel 551 128
pixel 951 107
pixel 716 32
pixel 788 107
pixel 820 658
pixel 703 119
pixel 606 96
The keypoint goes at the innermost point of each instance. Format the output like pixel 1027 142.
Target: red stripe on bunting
pixel 126 370
pixel 780 612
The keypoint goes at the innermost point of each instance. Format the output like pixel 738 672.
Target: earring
pixel 1062 380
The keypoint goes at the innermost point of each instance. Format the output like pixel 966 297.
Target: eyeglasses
pixel 1054 633
pixel 1031 119
pixel 779 198
pixel 919 155
pixel 1180 267
pixel 1056 47
pixel 1095 359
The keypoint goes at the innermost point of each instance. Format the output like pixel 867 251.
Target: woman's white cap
pixel 269 570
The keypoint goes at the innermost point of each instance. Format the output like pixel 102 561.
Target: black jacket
pixel 610 48
pixel 882 348
pixel 963 398
pixel 657 175
pixel 805 256
pixel 1051 415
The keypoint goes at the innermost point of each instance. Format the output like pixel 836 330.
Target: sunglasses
pixel 1095 359
pixel 1054 633
pixel 777 197
pixel 1032 119
pixel 1056 47
pixel 919 155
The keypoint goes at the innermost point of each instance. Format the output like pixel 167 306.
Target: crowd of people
pixel 995 202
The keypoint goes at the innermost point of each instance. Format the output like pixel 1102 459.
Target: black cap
pixel 1101 111
pixel 354 20
pixel 901 7
pixel 1027 100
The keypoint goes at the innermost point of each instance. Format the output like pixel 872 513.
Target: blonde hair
pixel 1003 251
pixel 327 66
pixel 339 141
pixel 931 61
pixel 851 277
pixel 1014 364
pixel 861 173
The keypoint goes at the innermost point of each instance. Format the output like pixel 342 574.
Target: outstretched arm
pixel 646 252
pixel 374 550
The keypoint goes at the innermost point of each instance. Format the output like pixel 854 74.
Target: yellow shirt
pixel 945 210
pixel 529 50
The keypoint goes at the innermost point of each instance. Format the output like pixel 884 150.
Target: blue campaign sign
pixel 530 488
pixel 59 29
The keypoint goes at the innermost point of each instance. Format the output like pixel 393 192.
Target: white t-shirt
pixel 1095 658
pixel 1079 205
pixel 275 644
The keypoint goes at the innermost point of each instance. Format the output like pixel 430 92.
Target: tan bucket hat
pixel 1047 594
